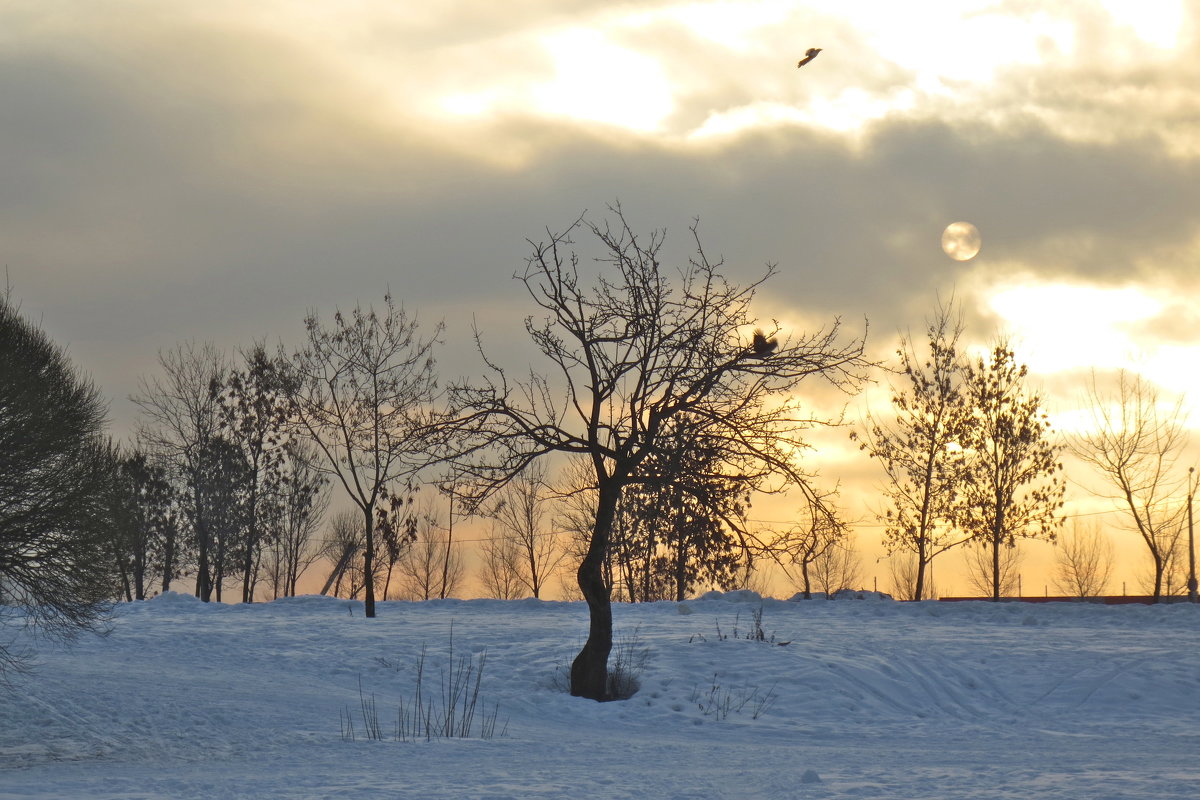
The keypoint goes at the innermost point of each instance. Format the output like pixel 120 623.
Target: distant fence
pixel 1108 600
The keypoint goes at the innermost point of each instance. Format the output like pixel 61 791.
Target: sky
pixel 212 171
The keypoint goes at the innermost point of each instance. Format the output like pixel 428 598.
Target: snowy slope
pixel 870 699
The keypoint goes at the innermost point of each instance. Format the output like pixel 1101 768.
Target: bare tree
pixel 181 419
pixel 980 567
pixel 839 567
pixel 920 449
pixel 575 517
pixel 500 572
pixel 521 514
pixel 818 531
pixel 1134 444
pixel 903 568
pixel 303 497
pixel 342 545
pixel 628 355
pixel 1175 576
pixel 1083 561
pixel 452 489
pixel 1012 488
pixel 754 579
pixel 1175 565
pixel 361 392
pixel 433 566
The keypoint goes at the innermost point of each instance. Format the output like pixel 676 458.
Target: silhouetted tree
pixel 902 565
pixel 452 489
pixel 343 545
pixel 1012 488
pixel 181 417
pixel 817 531
pixel 682 520
pixel 432 567
pixel 146 528
pixel 980 568
pixel 920 448
pixel 1083 561
pixel 254 410
pixel 520 513
pixel 500 570
pixel 839 567
pixel 361 391
pixel 1135 444
pixel 576 518
pixel 302 496
pixel 396 529
pixel 56 487
pixel 626 356
pixel 220 486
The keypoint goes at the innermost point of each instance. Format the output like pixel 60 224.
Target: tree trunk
pixel 251 542
pixel 449 541
pixel 168 567
pixel 369 563
pixel 203 578
pixel 919 590
pixel 1159 568
pixel 681 558
pixel 535 584
pixel 997 540
pixel 335 577
pixel 203 575
pixel 127 590
pixel 139 575
pixel 995 570
pixel 589 671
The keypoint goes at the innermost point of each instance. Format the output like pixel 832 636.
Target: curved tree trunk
pixel 589 670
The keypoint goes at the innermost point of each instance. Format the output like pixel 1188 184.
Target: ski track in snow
pixel 869 699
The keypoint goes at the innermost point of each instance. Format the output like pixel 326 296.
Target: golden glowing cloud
pixel 597 79
pixel 1062 326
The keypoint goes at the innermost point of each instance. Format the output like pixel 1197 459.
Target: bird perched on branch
pixel 808 56
pixel 761 346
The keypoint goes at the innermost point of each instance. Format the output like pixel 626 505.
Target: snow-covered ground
pixel 869 699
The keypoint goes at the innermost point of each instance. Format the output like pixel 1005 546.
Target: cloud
pixel 170 173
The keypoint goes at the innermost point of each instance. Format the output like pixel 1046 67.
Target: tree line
pixel 970 460
pixel 663 410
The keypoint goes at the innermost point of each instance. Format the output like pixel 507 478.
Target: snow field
pixel 869 698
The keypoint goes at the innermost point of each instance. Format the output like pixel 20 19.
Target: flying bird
pixel 808 56
pixel 761 345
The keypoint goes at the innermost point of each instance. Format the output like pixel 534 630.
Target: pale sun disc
pixel 961 241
